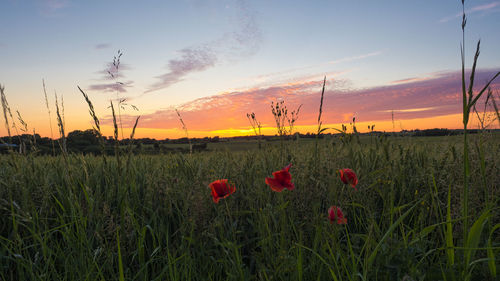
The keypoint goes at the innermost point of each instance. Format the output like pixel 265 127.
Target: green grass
pixel 245 145
pixel 75 218
pixel 425 209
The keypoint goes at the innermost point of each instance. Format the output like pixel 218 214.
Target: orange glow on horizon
pixel 452 121
pixel 415 104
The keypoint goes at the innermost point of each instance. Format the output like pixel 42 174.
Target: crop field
pixel 335 205
pixel 146 217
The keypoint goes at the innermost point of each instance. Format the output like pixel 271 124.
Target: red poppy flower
pixel 335 213
pixel 282 179
pixel 348 176
pixel 221 189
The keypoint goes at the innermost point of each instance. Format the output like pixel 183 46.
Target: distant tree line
pixel 437 132
pixel 89 142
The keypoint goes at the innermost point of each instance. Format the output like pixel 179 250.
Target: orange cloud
pixel 410 80
pixel 413 104
pixel 429 103
pixel 451 121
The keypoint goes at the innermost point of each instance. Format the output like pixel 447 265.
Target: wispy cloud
pixel 437 96
pixel 348 59
pixel 113 71
pixel 411 109
pixel 480 8
pixel 484 7
pixel 243 41
pixel 56 4
pixel 412 79
pixel 120 87
pixel 192 60
pixel 50 7
pixel 112 77
pixel 264 79
pixel 102 46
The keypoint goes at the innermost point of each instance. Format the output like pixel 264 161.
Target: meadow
pixel 143 217
pixel 422 209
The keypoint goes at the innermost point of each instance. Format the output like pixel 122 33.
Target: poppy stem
pixel 227 210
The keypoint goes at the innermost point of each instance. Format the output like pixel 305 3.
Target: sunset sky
pixel 217 60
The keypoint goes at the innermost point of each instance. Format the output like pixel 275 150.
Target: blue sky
pixel 175 52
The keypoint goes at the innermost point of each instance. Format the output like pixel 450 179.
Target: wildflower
pixel 335 213
pixel 282 179
pixel 221 189
pixel 348 176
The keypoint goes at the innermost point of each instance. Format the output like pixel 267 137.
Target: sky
pixel 392 64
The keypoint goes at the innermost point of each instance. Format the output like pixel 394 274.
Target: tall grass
pixel 5 108
pixel 61 124
pixel 320 123
pixel 469 100
pixel 67 225
pixel 471 235
pixel 80 217
pixel 50 116
pixel 256 126
pixel 184 128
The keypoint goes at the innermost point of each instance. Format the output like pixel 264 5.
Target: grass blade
pixel 450 252
pixel 120 263
pixel 473 237
pixel 372 256
pixel 491 255
pixel 334 276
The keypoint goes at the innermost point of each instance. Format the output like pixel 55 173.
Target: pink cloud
pixel 432 97
pixel 409 80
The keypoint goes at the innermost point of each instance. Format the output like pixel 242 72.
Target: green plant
pixel 469 100
pixel 256 126
pixel 283 119
pixel 184 128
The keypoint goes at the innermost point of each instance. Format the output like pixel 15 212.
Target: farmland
pixel 151 217
pixel 335 205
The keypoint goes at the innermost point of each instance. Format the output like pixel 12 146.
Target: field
pixel 147 217
pixel 413 208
